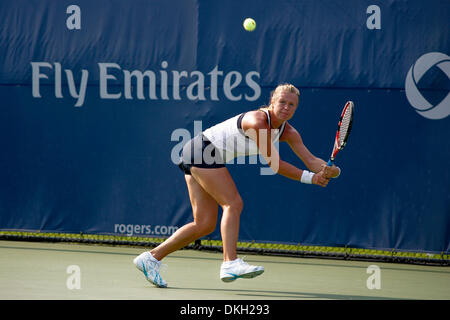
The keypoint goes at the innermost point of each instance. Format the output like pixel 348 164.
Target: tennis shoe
pixel 232 270
pixel 146 263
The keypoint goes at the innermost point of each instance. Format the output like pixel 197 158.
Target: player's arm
pixel 258 130
pixel 313 163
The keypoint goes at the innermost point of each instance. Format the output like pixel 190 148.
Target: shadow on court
pixel 268 294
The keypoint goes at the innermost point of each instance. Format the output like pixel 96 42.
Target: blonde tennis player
pixel 210 185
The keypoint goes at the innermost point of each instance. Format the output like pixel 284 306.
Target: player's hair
pixel 285 87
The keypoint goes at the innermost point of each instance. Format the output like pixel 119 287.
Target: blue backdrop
pixel 95 97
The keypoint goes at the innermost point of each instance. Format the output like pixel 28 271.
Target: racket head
pixel 344 128
pixel 345 124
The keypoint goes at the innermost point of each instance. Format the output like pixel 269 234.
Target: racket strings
pixel 345 125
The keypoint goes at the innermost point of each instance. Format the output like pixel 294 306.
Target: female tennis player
pixel 210 184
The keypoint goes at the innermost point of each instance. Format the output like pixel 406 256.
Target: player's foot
pixel 232 270
pixel 150 267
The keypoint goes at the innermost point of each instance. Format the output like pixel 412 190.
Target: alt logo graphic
pixel 416 72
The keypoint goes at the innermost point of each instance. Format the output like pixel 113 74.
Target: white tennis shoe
pixel 146 263
pixel 232 270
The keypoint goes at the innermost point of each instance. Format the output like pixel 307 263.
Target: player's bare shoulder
pixel 255 119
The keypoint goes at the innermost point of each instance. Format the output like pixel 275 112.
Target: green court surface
pixel 36 270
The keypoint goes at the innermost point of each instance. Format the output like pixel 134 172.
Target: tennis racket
pixel 343 131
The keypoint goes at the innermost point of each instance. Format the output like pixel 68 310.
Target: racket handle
pixel 330 163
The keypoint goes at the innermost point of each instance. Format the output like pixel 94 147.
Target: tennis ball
pixel 249 24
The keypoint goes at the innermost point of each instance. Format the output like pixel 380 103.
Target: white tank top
pixel 229 138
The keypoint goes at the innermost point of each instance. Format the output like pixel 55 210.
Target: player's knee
pixel 235 205
pixel 206 227
pixel 239 204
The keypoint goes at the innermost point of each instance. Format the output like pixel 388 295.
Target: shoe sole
pixel 249 275
pixel 149 280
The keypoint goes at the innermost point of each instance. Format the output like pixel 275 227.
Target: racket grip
pixel 330 163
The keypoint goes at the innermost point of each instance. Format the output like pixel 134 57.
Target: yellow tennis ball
pixel 249 24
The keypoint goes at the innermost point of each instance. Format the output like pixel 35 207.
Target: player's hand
pixel 331 172
pixel 320 179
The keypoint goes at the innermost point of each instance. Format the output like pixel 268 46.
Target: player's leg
pixel 205 216
pixel 220 185
pixel 205 210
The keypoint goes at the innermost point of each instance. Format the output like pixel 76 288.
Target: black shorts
pixel 201 153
